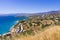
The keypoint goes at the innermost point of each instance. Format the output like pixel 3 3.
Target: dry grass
pixel 52 33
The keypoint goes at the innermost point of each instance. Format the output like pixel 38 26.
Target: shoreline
pixel 14 25
pixel 9 29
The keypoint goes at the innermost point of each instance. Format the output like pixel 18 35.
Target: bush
pixel 28 32
pixel 30 24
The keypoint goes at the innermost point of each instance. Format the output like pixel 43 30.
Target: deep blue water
pixel 6 22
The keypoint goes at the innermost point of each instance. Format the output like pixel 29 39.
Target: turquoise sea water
pixel 6 22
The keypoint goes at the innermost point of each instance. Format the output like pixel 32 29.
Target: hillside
pixel 52 33
pixel 39 26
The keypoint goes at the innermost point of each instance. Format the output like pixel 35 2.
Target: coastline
pixel 13 25
pixel 9 29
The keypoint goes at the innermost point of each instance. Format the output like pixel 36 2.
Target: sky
pixel 28 6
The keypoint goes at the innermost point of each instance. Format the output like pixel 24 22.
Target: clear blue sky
pixel 28 6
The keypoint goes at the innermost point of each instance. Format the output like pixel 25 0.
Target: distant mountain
pixel 16 14
pixel 28 14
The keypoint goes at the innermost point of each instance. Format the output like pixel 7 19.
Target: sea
pixel 6 22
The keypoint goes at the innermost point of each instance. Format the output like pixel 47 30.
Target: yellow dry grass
pixel 51 33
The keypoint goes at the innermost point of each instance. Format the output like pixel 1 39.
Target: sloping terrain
pixel 51 33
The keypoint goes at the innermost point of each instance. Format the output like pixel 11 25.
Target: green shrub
pixel 30 24
pixel 28 32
